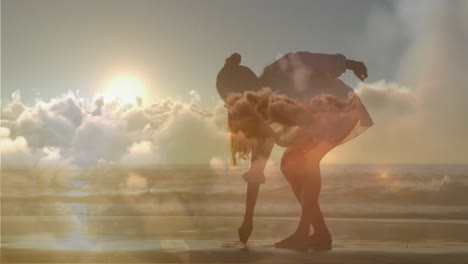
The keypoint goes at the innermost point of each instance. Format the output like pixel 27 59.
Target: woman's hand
pixel 358 68
pixel 280 142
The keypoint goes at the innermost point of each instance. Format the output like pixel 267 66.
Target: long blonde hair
pixel 249 104
pixel 240 148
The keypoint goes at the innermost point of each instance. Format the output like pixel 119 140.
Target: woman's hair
pixel 234 59
pixel 240 147
pixel 245 112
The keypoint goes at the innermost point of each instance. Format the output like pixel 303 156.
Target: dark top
pixel 298 74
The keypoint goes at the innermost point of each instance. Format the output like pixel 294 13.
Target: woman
pixel 313 112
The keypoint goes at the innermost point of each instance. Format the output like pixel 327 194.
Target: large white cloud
pixel 69 131
pixel 190 137
pixel 142 153
pixel 15 152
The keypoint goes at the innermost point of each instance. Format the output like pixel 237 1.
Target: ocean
pixel 356 191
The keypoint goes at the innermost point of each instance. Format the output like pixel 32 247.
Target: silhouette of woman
pixel 306 109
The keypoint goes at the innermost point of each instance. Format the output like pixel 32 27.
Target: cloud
pixel 141 154
pixel 99 139
pixel 70 131
pixel 52 158
pixel 136 182
pixel 43 127
pixel 195 97
pixel 218 164
pixel 15 152
pixel 190 137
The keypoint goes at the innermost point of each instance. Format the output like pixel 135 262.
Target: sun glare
pixel 126 88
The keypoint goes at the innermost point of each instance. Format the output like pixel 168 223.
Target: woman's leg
pixel 310 184
pixel 292 164
pixel 311 212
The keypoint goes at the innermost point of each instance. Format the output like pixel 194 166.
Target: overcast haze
pixel 415 52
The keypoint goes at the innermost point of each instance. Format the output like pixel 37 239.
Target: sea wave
pixel 354 191
pixel 442 191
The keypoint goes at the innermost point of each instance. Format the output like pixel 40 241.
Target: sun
pixel 125 88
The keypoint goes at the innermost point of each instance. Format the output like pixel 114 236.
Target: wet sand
pixel 211 240
pixel 212 253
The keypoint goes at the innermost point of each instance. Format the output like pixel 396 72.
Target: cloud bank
pixel 68 130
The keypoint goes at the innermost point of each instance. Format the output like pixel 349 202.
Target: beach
pixel 376 214
pixel 122 239
pixel 234 256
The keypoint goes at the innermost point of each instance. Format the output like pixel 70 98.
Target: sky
pixel 50 47
pixel 57 57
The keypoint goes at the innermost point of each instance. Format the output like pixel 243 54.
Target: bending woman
pixel 313 112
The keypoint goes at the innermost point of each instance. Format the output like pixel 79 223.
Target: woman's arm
pixel 251 200
pixel 254 177
pixel 330 64
pixel 358 67
pixel 246 227
pixel 334 64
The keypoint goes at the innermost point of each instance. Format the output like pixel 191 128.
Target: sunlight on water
pixel 136 182
pixel 383 175
pixel 74 237
pixel 79 209
pixel 76 193
pixel 78 238
pixel 77 241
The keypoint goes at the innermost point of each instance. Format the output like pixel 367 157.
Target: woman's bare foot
pixel 294 241
pixel 319 242
pixel 245 230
